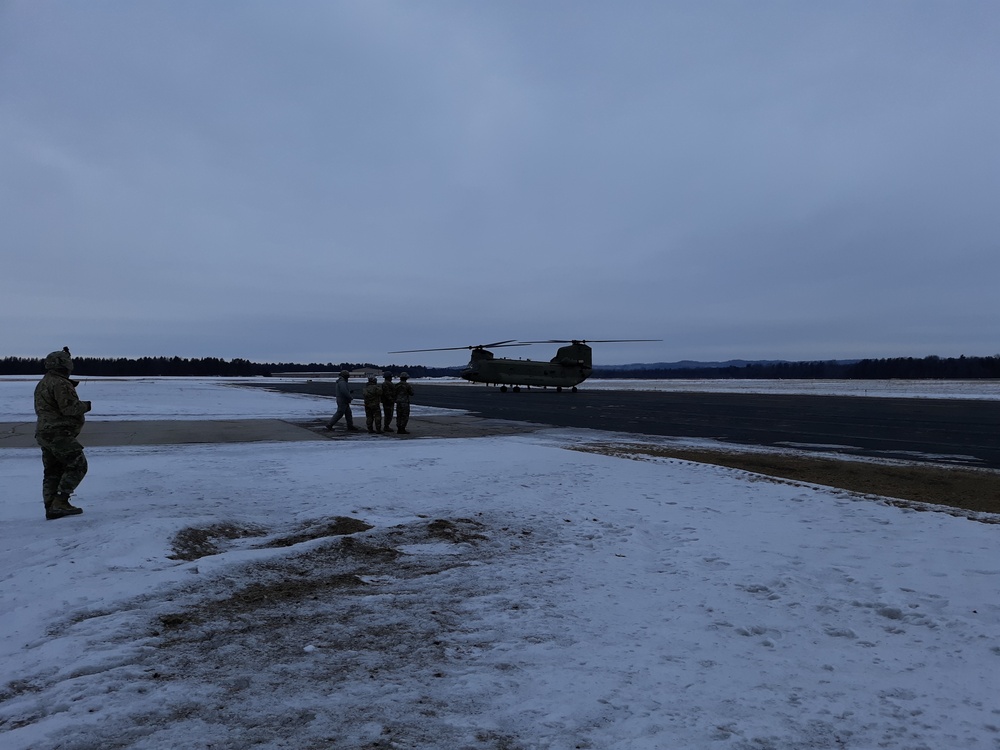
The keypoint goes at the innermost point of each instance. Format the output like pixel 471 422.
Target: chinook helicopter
pixel 572 364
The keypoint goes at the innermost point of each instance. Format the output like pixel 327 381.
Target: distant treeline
pixel 204 367
pixel 907 368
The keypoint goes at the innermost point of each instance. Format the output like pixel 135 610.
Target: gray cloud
pixel 322 181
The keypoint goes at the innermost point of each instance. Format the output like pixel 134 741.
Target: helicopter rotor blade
pixel 508 342
pixel 494 345
pixel 438 349
pixel 618 341
pixel 586 341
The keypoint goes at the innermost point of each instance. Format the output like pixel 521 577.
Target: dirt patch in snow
pixel 914 486
pixel 460 530
pixel 349 639
pixel 193 542
pixel 337 526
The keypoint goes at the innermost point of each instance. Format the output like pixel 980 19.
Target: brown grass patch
pixel 976 490
pixel 192 543
pixel 337 526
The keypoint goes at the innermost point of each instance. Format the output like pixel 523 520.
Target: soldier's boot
pixel 59 507
pixel 61 500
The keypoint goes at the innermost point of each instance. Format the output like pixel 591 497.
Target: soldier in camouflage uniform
pixel 388 399
pixel 373 404
pixel 404 391
pixel 60 419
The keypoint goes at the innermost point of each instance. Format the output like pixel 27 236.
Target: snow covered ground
pixel 492 593
pixel 973 389
pixel 165 398
pixel 203 398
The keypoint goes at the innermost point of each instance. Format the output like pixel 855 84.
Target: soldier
pixel 403 393
pixel 60 419
pixel 344 398
pixel 388 398
pixel 373 404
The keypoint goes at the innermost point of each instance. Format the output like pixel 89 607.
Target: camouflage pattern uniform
pixel 344 398
pixel 404 391
pixel 388 398
pixel 60 419
pixel 373 405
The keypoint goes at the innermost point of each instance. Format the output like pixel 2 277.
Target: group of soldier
pixel 61 416
pixel 379 398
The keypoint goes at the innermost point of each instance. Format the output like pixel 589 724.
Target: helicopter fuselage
pixel 570 366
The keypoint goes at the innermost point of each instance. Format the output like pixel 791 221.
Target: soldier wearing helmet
pixel 60 419
pixel 373 404
pixel 343 393
pixel 404 391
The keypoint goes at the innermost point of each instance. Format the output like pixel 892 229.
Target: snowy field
pixel 491 593
pixel 974 389
pixel 202 398
pixel 970 389
pixel 166 398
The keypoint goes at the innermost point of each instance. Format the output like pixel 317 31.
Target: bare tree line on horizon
pixel 905 368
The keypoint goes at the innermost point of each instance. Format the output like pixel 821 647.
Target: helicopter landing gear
pixel 516 389
pixel 503 389
pixel 574 389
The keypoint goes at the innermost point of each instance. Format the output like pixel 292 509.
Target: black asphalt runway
pixel 959 431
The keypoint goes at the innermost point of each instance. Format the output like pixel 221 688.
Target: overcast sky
pixel 329 181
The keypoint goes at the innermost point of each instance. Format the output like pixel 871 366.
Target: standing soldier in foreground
pixel 373 405
pixel 60 419
pixel 388 399
pixel 344 398
pixel 403 393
